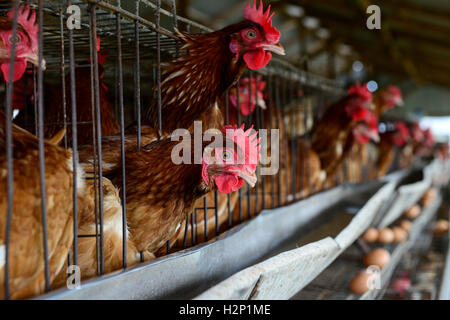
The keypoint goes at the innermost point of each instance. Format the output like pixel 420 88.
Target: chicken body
pixel 112 235
pixel 160 194
pixel 386 154
pixel 333 135
pixel 26 264
pixel 330 137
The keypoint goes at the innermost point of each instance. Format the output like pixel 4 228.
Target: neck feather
pixel 194 82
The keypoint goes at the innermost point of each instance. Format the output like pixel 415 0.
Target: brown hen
pixel 26 259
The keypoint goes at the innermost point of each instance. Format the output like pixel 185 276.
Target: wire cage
pixel 136 39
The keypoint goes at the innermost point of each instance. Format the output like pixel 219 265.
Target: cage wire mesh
pixel 136 38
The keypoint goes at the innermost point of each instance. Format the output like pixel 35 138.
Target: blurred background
pixel 412 48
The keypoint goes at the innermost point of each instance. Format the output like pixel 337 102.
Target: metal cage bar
pixel 152 43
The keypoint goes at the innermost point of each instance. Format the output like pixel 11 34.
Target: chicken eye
pixel 251 34
pixel 15 39
pixel 225 155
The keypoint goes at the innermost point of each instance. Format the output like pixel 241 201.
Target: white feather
pixel 173 75
pixel 2 256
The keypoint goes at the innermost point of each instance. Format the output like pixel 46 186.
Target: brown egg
pixel 371 235
pixel 360 283
pixel 385 235
pixel 405 225
pixel 377 257
pixel 400 234
pixel 428 197
pixel 412 212
pixel 441 226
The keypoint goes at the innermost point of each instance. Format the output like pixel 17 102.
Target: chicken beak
pixel 261 103
pixel 375 136
pixel 34 59
pixel 275 48
pixel 250 178
pixel 399 102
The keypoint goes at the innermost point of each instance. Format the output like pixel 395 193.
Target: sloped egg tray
pixel 280 277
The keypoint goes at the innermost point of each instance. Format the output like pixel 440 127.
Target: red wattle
pixel 227 183
pixel 20 66
pixel 257 59
pixel 245 110
pixel 362 139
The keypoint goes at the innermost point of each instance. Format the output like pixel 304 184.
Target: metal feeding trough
pixel 282 276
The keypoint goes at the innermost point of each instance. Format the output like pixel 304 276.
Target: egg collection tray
pixel 301 262
pixel 333 283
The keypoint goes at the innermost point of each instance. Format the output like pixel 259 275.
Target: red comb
pixel 402 128
pixel 416 132
pixel 361 91
pixel 394 90
pixel 356 111
pixel 98 44
pixel 27 21
pixel 247 141
pixel 371 119
pixel 429 138
pixel 263 19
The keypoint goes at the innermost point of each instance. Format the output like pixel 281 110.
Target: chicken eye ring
pixel 251 34
pixel 225 155
pixel 15 39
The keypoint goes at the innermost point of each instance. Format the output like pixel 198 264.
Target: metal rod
pixel 73 104
pixel 250 120
pixel 260 115
pixel 175 23
pixel 63 76
pixel 294 139
pixel 278 121
pixel 270 91
pixel 238 111
pixel 158 61
pixel 205 207
pixel 41 145
pixel 122 139
pixel 137 85
pixel 257 126
pixel 216 212
pixel 186 226
pixel 9 152
pixel 192 229
pixel 93 52
pixel 285 138
pixel 93 21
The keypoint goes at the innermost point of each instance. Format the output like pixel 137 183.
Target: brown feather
pixel 26 238
pixel 54 109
